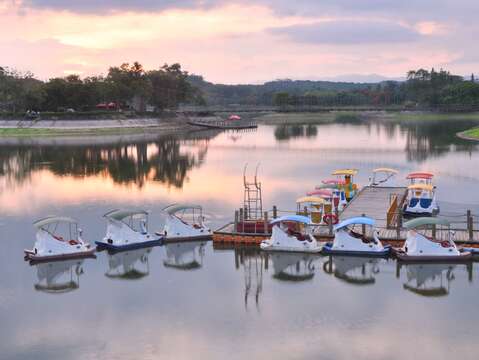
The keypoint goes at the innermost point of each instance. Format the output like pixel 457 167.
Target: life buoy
pixel 330 219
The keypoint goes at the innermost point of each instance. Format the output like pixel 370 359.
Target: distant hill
pixel 220 94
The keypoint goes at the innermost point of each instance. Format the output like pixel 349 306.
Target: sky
pixel 248 41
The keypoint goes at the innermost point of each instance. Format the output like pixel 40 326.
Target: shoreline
pixel 52 128
pixel 464 134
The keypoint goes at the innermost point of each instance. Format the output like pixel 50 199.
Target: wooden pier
pixel 224 125
pixel 383 204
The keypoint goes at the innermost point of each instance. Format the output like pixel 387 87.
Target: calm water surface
pixel 195 301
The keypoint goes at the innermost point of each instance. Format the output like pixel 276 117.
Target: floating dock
pixel 383 204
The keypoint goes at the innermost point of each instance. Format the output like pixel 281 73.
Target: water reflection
pixel 251 262
pixel 161 159
pixel 129 265
pixel 184 255
pixel 430 280
pixel 58 277
pixel 353 270
pixel 286 132
pixel 293 267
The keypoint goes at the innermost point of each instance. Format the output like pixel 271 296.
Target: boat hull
pixel 327 250
pixel 34 258
pixel 187 238
pixel 290 249
pixel 402 256
pixel 138 245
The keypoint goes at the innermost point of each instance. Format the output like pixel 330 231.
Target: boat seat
pixel 73 242
pixel 59 238
pixel 413 202
pixel 359 236
pixel 425 203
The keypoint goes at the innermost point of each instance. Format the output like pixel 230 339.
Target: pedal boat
pixel 58 238
pixel 347 241
pixel 381 176
pixel 348 185
pixel 313 206
pixel 291 233
pixel 127 230
pixel 184 222
pixel 421 201
pixel 419 247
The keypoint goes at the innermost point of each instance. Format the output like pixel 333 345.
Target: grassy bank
pixel 90 115
pixel 36 132
pixel 471 134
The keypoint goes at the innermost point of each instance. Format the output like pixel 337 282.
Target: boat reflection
pixel 59 277
pixel 129 265
pixel 353 270
pixel 185 255
pixel 430 280
pixel 292 267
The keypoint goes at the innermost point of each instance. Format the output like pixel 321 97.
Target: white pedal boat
pixel 421 201
pixel 420 247
pixel 127 230
pixel 58 238
pixel 185 222
pixel 291 233
pixel 381 176
pixel 350 242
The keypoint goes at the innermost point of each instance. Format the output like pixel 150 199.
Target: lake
pixel 193 300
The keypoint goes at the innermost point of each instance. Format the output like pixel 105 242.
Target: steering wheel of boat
pixel 330 219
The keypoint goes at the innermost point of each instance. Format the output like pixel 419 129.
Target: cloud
pixel 346 32
pixel 108 6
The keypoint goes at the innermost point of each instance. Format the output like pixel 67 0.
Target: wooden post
pixel 235 229
pixel 330 227
pixel 469 225
pixel 275 212
pixel 363 227
pixel 305 211
pixel 241 216
pixel 434 231
pixel 265 222
pixel 399 226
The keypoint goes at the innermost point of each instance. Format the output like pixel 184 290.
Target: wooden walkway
pixel 373 202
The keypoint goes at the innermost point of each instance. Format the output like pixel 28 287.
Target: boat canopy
pixel 123 213
pixel 174 208
pixel 292 218
pixel 328 186
pixel 53 219
pixel 420 175
pixel 422 221
pixel 321 192
pixel 385 170
pixel 427 187
pixel 345 172
pixel 310 199
pixel 360 220
pixel 333 182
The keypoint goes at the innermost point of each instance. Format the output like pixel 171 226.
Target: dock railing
pixel 465 225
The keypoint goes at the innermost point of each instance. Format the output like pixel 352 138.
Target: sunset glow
pixel 237 42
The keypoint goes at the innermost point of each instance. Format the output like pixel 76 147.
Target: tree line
pixel 131 86
pixel 421 88
pixel 124 86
